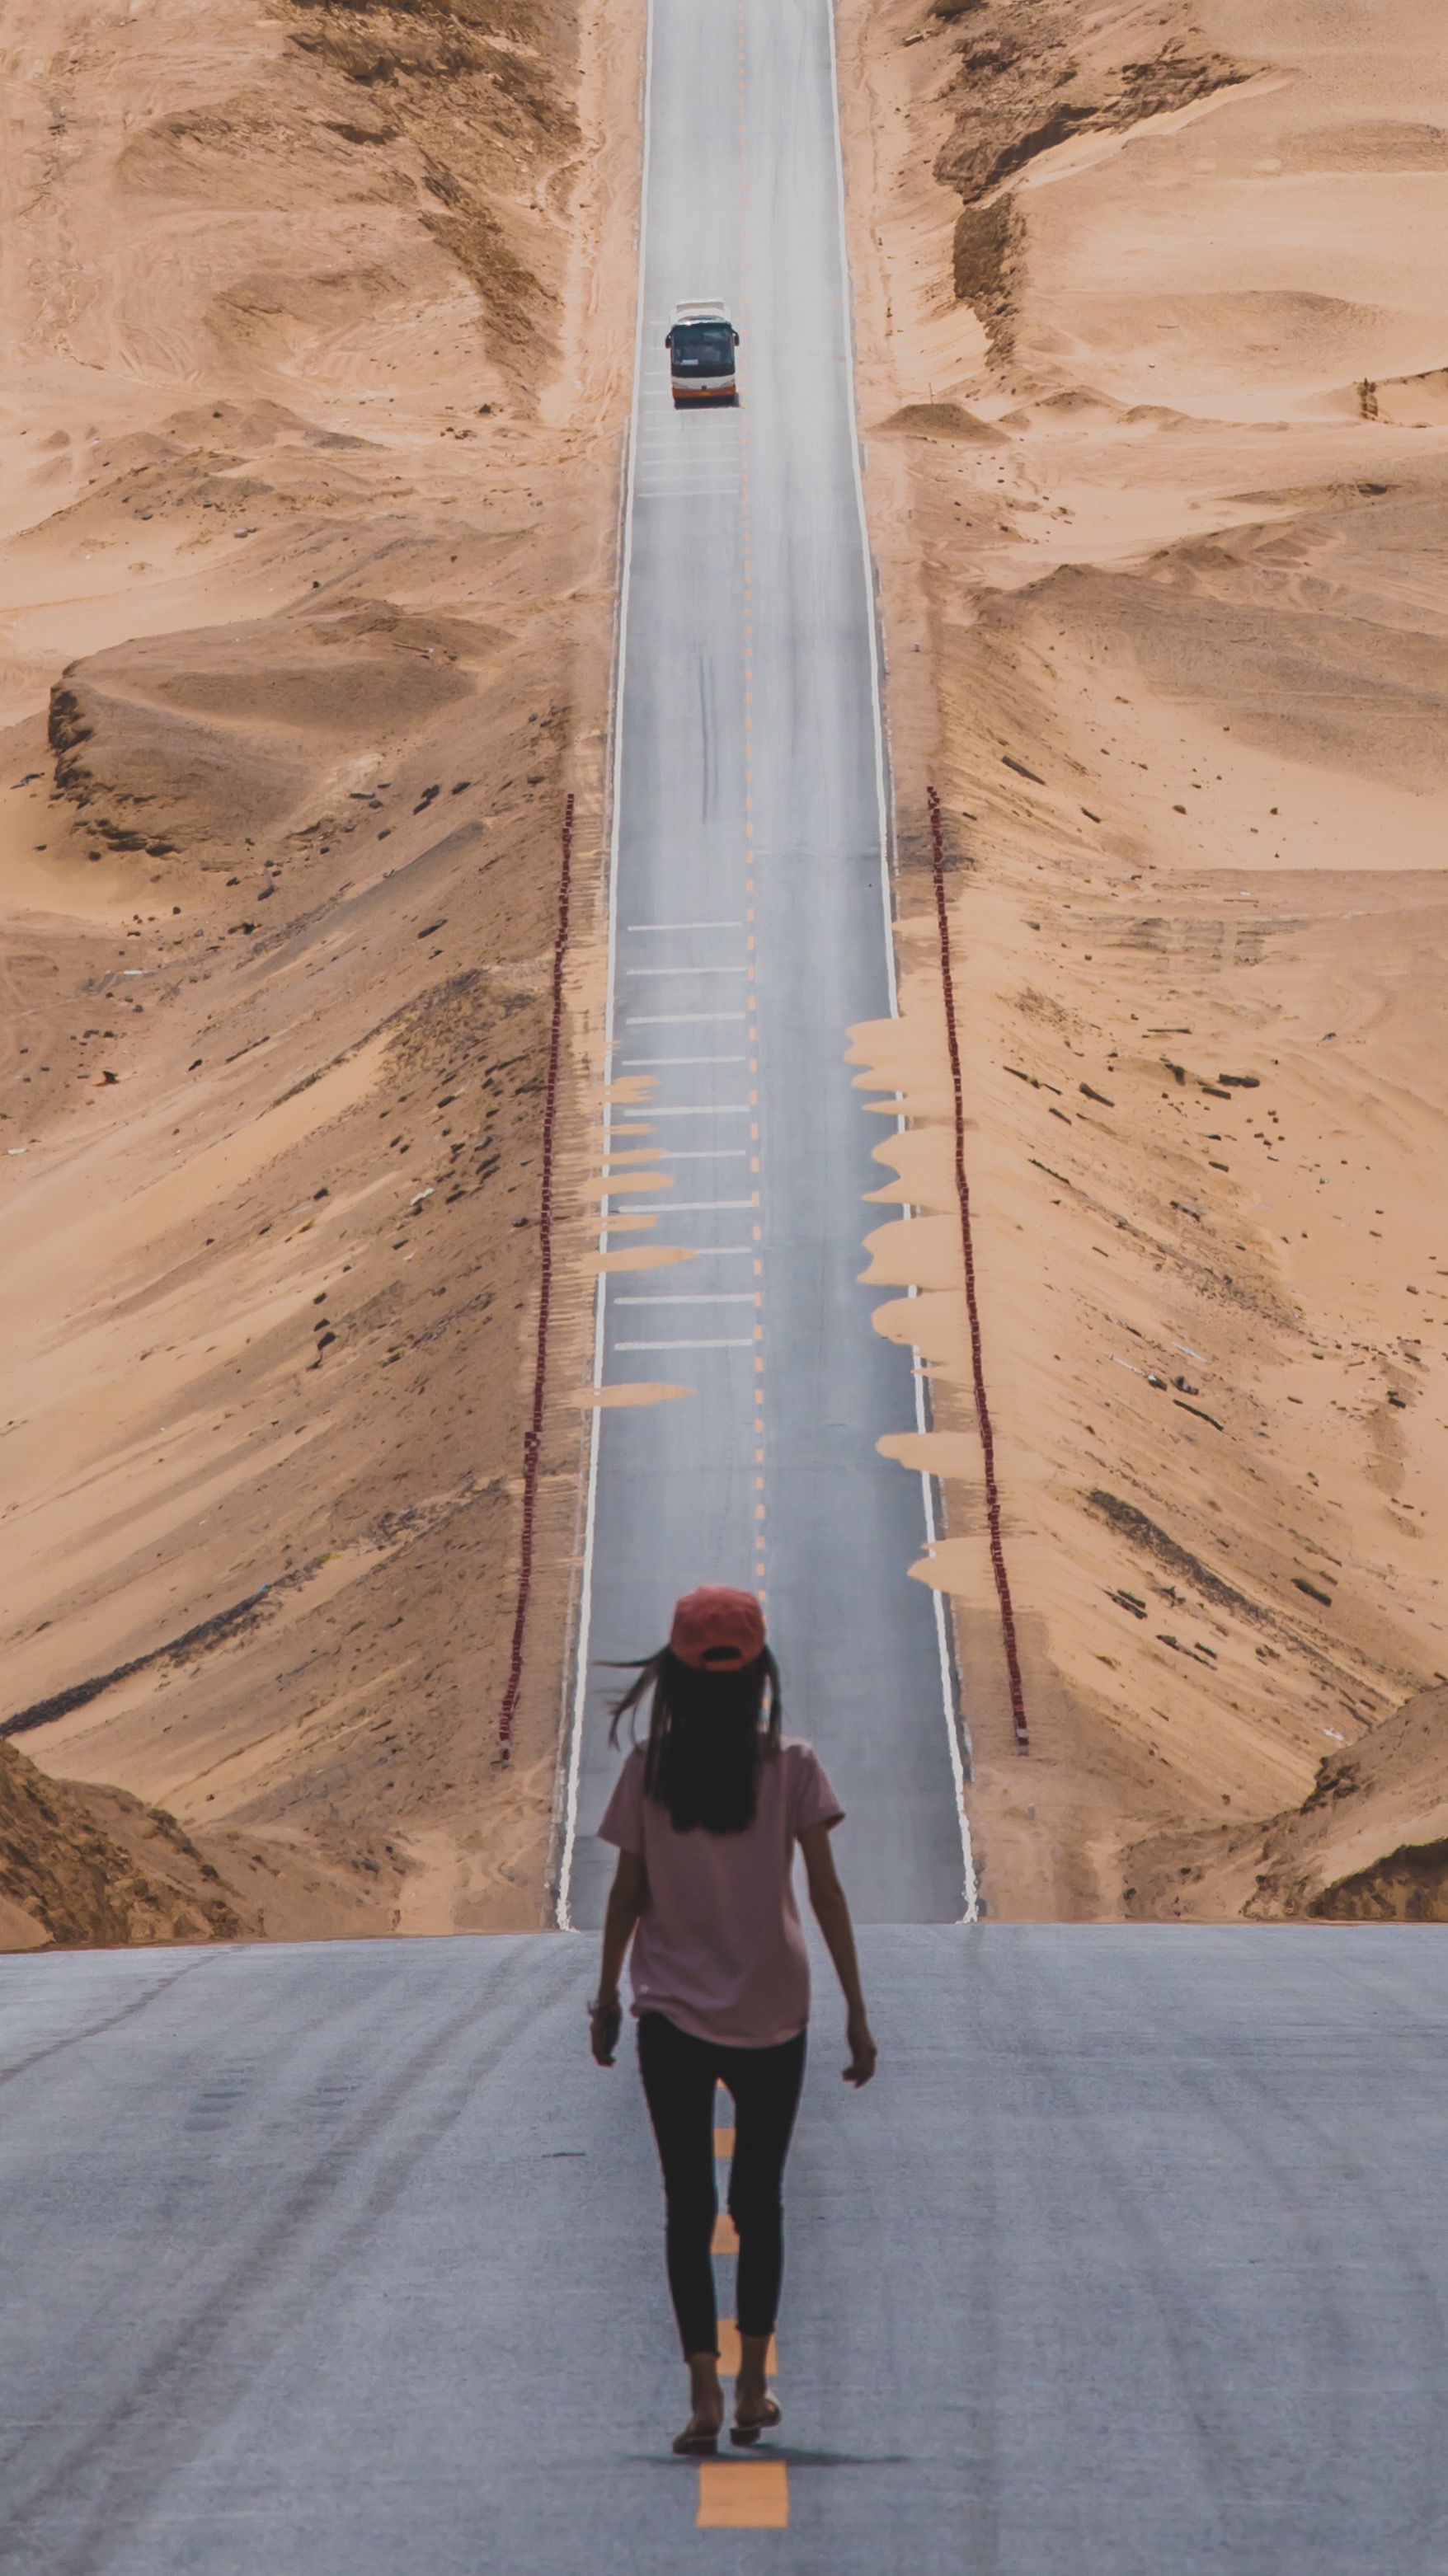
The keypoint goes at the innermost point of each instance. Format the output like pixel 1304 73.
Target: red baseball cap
pixel 715 1628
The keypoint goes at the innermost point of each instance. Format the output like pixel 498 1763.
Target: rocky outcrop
pixel 68 1883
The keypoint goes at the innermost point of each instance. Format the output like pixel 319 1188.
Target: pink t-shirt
pixel 719 1947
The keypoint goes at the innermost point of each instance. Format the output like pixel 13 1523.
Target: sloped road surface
pixel 750 932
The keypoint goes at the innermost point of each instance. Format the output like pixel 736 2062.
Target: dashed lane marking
pixel 695 1297
pixel 729 2352
pixel 684 1346
pixel 743 2495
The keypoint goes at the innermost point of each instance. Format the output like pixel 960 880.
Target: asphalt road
pixel 344 2261
pixel 750 908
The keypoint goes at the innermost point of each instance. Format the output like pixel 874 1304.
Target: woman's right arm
pixel 832 1913
pixel 626 1899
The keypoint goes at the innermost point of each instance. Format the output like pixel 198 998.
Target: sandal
pixel 743 2435
pixel 693 2444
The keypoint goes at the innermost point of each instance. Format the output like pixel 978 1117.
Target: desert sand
pixel 318 341
pixel 1152 309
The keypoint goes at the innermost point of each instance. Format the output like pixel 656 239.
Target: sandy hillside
pixel 1153 317
pixel 318 341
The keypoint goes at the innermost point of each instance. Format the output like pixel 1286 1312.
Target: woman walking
pixel 705 1816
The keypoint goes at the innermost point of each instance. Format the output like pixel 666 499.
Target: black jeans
pixel 679 2075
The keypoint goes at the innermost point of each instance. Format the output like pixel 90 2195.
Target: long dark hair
pixel 709 1733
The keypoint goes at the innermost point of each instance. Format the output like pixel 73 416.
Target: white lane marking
pixel 970 1888
pixel 681 1207
pixel 685 925
pixel 634 1062
pixel 745 1345
pixel 705 1297
pixel 702 1252
pixel 570 1778
pixel 686 970
pixel 704 1109
pixel 675 1019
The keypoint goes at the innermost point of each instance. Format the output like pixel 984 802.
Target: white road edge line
pixel 585 1605
pixel 970 1888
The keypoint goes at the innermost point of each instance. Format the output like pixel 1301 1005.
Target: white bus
pixel 701 346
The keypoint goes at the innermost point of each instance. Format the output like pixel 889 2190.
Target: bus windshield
pixel 703 349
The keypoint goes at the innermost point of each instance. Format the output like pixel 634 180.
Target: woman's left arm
pixel 832 1913
pixel 626 1901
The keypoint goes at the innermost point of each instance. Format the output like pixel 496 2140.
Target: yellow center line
pixel 729 2352
pixel 743 2495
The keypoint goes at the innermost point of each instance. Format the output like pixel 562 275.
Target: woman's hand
pixel 862 2049
pixel 626 1901
pixel 605 2021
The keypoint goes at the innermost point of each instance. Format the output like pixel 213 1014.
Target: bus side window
pixel 669 339
pixel 736 339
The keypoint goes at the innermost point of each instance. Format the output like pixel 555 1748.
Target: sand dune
pixel 320 334
pixel 1170 639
